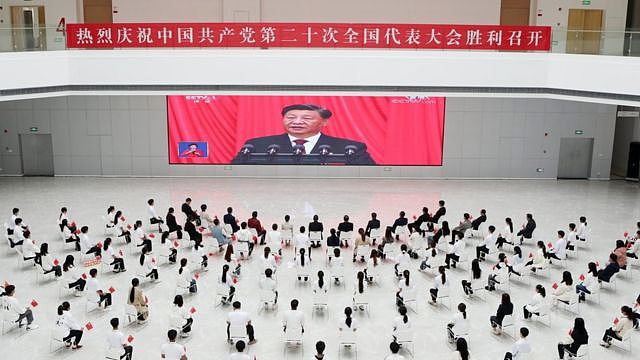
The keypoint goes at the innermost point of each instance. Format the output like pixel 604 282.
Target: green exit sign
pixel 579 132
pixel 33 129
pixel 586 2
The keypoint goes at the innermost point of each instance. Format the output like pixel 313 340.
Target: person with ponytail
pixel 459 325
pixel 403 260
pixel 149 268
pixel 69 326
pixel 138 300
pixel 13 308
pixel 475 277
pixel 46 261
pixel 517 263
pixel 539 257
pixel 505 308
pixel 362 241
pixel 462 350
pixel 110 255
pixel 226 282
pixel 401 322
pixel 231 259
pixel 348 324
pixel 69 235
pixel 371 271
pixel 577 337
pixel 506 236
pixel 405 288
pixel 185 279
pixel 430 257
pixel 71 276
pixel 538 301
pixel 138 234
pixel 269 260
pixel 360 292
pixel 336 265
pixel 439 282
pixel 179 317
pixel 320 289
pixel 303 264
pixel 167 248
pixel 625 323
pixel 118 223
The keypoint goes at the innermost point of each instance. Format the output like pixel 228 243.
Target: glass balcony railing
pixel 616 43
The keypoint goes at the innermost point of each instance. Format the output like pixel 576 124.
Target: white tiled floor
pixel 611 207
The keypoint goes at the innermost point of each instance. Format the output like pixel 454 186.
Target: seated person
pixel 316 226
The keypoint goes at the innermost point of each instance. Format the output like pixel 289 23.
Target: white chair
pixel 405 339
pixel 113 353
pixel 41 276
pixel 363 252
pixel 315 236
pixel 8 319
pixel 389 251
pixel 347 342
pixel 375 235
pixel 612 283
pixel 293 337
pixel 402 231
pixel 410 299
pixel 320 303
pixel 109 229
pixel 56 341
pixel 242 248
pixel 508 326
pixel 346 236
pixel 543 313
pixel 237 333
pixel 444 293
pixel 582 353
pixel 625 343
pixel 267 300
pixel 573 305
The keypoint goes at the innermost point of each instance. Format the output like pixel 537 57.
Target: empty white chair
pixel 267 300
pixel 405 339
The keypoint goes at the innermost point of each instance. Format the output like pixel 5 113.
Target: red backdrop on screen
pixel 397 130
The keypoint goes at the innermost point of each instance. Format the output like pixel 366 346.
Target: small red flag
pixel 84 276
pixel 570 332
pixel 211 254
pixel 196 276
pixel 6 283
pixel 530 255
pixel 414 217
pixel 201 228
pixel 88 326
pixel 73 224
pixel 56 262
pixel 582 277
pixel 129 226
pixel 549 245
pixel 176 244
pixel 616 321
pixel 152 236
pixel 130 339
pixel 235 280
pixel 77 232
pixel 99 245
pixel 121 252
pixel 554 286
pixel 193 310
pixel 112 289
pixel 34 303
pixel 629 245
pixel 233 236
pixel 153 260
pixel 626 233
pixel 146 300
pixel 122 218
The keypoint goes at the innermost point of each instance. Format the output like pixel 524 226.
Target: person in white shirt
pixel 286 229
pixel 269 284
pixel 401 322
pixel 620 327
pixel 269 260
pixel 87 245
pixel 69 326
pixel 149 267
pixel 240 319
pixel 538 301
pixel 320 289
pixel 349 323
pixel 46 261
pixel 360 292
pixel 395 349
pixel 168 248
pixel 517 263
pixel 559 250
pixel 173 350
pixel 117 342
pixel 590 282
pixel 113 259
pixel 301 241
pixel 69 234
pixel 10 304
pixel 416 243
pixel 405 288
pixel 244 235
pixel 499 273
pixel 456 251
pixel 15 214
pixel 29 248
pixel 293 319
pixel 373 264
pixel 507 235
pixel 303 263
pixel 539 257
pixel 71 277
pixel 205 219
pixel 274 239
pixel 582 233
pixel 119 223
pixel 403 260
pixel 240 354
pixel 520 347
pixel 487 244
pixel 564 291
pixel 320 347
pixel 94 287
pixel 572 238
pixel 439 282
pixel 459 325
pixel 64 215
pixel 185 278
pixel 336 265
pixel 139 237
pixel 179 316
pixel 153 216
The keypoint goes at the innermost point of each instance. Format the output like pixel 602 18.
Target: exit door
pixel 574 161
pixel 36 151
pixel 584 31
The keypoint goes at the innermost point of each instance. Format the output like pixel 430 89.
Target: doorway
pixel 574 161
pixel 29 28
pixel 97 11
pixel 584 31
pixel 515 12
pixel 36 151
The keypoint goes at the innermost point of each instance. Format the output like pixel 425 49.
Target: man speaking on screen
pixel 303 124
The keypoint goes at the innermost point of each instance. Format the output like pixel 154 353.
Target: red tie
pixel 301 142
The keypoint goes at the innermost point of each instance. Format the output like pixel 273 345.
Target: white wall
pixel 405 11
pixel 555 13
pixel 54 11
pixel 484 138
pixel 506 70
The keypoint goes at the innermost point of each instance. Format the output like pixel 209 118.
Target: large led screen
pixel 305 130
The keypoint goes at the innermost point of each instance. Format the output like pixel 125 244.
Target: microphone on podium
pixel 273 149
pixel 246 149
pixel 349 150
pixel 324 149
pixel 298 149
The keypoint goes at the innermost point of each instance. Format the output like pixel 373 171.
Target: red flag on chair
pixel 130 339
pixel 73 224
pixel 153 260
pixel 152 236
pixel 616 321
pixel 211 254
pixel 88 326
pixel 84 276
pixel 570 331
pixel 56 262
pixel 196 276
pixel 554 286
pixel 112 289
pixel 629 245
pixel 34 303
pixel 193 310
pixel 582 277
pixel 626 233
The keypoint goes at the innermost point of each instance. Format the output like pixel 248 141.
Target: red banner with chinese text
pixel 314 35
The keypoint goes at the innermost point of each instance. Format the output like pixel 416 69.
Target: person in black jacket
pixel 374 223
pixel 188 211
pixel 401 221
pixel 439 213
pixel 475 224
pixel 172 224
pixel 505 308
pixel 415 226
pixel 578 336
pixel 228 218
pixel 333 240
pixel 345 226
pixel 443 231
pixel 611 268
pixel 527 231
pixel 316 226
pixel 190 228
